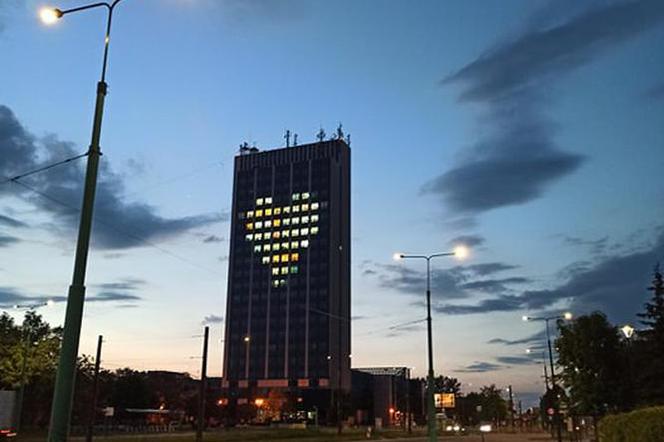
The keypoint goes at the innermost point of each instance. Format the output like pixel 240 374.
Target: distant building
pixel 288 297
pixel 386 393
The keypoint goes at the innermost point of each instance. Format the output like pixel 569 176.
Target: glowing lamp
pixel 461 252
pixel 49 16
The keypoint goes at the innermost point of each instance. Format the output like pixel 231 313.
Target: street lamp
pixel 64 382
pixel 460 252
pixel 567 316
pixel 627 330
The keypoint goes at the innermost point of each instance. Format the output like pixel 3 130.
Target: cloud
pixel 212 319
pixel 124 284
pixel 518 160
pixel 479 367
pixel 11 222
pixel 596 246
pixel 112 296
pixel 212 238
pixel 536 338
pixel 6 240
pixel 467 240
pixel 516 360
pixel 119 222
pixel 656 92
pixel 10 296
pixel 614 284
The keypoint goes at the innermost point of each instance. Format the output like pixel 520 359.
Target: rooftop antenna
pixel 294 139
pixel 321 135
pixel 348 140
pixel 340 132
pixel 287 137
pixel 244 148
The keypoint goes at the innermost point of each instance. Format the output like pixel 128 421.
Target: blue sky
pixel 533 129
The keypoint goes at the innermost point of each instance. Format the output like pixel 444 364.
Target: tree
pixel 445 384
pixel 494 407
pixel 594 365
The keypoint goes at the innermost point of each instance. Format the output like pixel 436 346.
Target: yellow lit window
pixel 259 213
pixel 304 243
pixel 285 233
pixel 250 214
pixel 286 209
pixel 314 230
pixel 266 247
pixel 305 219
pixel 295 220
pixel 275 271
pixel 284 270
pixel 265 260
pixel 295 232
pixel 259 224
pixel 304 231
pixel 276 222
pixel 258 236
pixel 295 256
pixel 277 210
pixel 296 196
pixel 259 201
pixel 286 221
pixel 294 269
pixel 306 195
pixel 282 282
pixel 314 218
pixel 275 283
pixel 257 248
pixel 305 207
pixel 250 226
pixel 268 223
pixel 284 245
pixel 314 206
pixel 284 257
pixel 276 235
pixel 296 209
pixel 275 246
pixel 268 200
pixel 294 244
pixel 275 258
pixel 249 236
pixel 268 235
pixel 268 212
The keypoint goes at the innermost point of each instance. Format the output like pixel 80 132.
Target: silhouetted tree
pixel 446 384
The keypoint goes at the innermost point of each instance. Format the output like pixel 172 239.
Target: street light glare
pixel 627 330
pixel 50 303
pixel 461 252
pixel 525 318
pixel 397 256
pixel 568 316
pixel 49 15
pixel 528 350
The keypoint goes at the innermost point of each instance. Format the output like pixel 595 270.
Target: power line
pixel 392 327
pixel 42 169
pixel 112 227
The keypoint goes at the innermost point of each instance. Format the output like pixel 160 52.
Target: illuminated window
pixel 304 231
pixel 294 244
pixel 275 258
pixel 295 220
pixel 257 248
pixel 295 232
pixel 259 202
pixel 305 207
pixel 296 209
pixel 314 206
pixel 249 236
pixel 304 243
pixel 284 245
pixel 296 196
pixel 305 219
pixel 268 223
pixel 286 221
pixel 295 257
pixel 266 247
pixel 284 270
pixel 268 212
pixel 286 209
pixel 250 226
pixel 275 283
pixel 268 200
pixel 284 233
pixel 265 260
pixel 275 271
pixel 314 230
pixel 282 282
pixel 275 246
pixel 314 218
pixel 277 210
pixel 276 235
pixel 268 235
pixel 250 214
pixel 258 236
pixel 259 213
pixel 294 269
pixel 306 195
pixel 284 257
pixel 259 224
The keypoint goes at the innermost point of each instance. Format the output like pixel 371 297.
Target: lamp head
pixel 50 15
pixel 627 330
pixel 529 351
pixel 525 318
pixel 50 303
pixel 461 252
pixel 568 316
pixel 397 256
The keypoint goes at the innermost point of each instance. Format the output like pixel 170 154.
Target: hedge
pixel 644 425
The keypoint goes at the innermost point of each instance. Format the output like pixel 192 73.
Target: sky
pixel 531 131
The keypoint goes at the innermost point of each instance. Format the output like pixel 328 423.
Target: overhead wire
pixel 42 169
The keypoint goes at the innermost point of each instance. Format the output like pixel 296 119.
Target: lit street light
pixel 567 316
pixel 627 330
pixel 460 252
pixel 64 382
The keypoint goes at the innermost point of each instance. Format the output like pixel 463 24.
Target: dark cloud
pixel 516 360
pixel 494 285
pixel 528 341
pixel 7 240
pixel 212 238
pixel 119 223
pixel 596 246
pixel 518 159
pixel 112 296
pixel 479 367
pixel 124 284
pixel 212 319
pixel 614 284
pixel 468 240
pixel 11 222
pixel 10 297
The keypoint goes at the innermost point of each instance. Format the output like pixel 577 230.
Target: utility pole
pixel 95 389
pixel 511 403
pixel 408 402
pixel 201 395
pixel 556 406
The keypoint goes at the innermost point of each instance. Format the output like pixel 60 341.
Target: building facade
pixel 288 297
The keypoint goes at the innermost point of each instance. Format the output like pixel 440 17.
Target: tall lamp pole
pixel 460 252
pixel 65 378
pixel 556 412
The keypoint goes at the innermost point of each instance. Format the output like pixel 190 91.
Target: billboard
pixel 444 400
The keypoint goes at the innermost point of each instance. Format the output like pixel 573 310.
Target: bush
pixel 645 425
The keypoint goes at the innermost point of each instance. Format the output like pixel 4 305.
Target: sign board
pixel 109 411
pixel 444 400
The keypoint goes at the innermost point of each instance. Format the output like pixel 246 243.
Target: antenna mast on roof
pixel 321 135
pixel 287 137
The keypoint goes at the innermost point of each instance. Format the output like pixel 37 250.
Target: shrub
pixel 645 425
